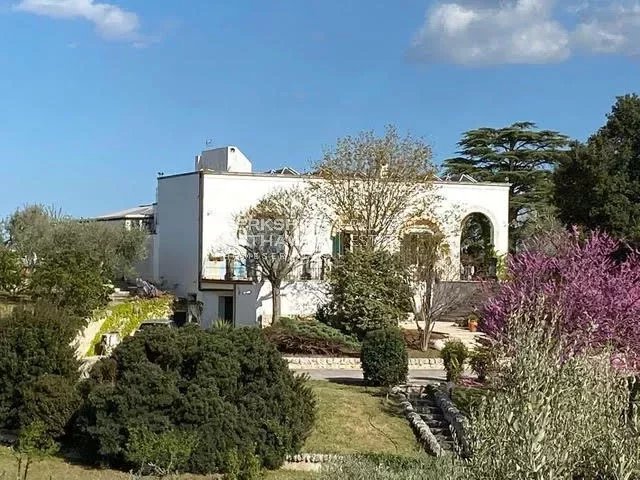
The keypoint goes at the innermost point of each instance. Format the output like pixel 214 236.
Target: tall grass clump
pixel 392 467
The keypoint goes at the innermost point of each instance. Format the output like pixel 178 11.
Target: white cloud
pixel 482 33
pixel 490 32
pixel 609 28
pixel 111 22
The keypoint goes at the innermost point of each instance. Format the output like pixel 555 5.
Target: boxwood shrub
pixel 384 357
pixel 454 355
pixel 228 390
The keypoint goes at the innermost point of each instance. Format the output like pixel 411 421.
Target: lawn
pixel 354 419
pixel 351 419
pixel 53 468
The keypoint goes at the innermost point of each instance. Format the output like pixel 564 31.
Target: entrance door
pixel 225 308
pixel 246 304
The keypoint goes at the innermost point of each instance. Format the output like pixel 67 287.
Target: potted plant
pixel 472 323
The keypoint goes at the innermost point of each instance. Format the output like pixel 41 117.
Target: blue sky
pixel 99 97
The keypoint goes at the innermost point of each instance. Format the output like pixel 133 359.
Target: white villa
pixel 194 247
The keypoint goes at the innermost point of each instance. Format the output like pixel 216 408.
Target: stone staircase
pixel 449 323
pixel 426 407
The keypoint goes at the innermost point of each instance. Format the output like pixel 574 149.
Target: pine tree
pixel 597 184
pixel 520 154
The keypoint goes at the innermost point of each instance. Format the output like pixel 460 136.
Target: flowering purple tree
pixel 596 296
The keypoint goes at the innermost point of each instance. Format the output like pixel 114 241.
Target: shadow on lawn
pixel 358 382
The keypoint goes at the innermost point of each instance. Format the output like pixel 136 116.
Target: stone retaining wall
pixel 350 363
pixel 456 419
pixel 314 458
pixel 426 438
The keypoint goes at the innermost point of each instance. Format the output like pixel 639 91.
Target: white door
pixel 246 298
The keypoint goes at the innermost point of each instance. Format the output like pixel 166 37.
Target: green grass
pixel 354 419
pixel 54 468
pixel 291 475
pixel 125 317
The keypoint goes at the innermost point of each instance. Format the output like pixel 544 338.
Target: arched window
pixel 421 243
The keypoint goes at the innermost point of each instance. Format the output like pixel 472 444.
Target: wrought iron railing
pixel 481 271
pixel 236 268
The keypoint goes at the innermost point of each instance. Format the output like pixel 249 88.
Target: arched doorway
pixel 477 255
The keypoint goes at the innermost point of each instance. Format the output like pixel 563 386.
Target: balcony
pixel 235 268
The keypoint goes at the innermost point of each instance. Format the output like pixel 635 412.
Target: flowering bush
pixel 595 293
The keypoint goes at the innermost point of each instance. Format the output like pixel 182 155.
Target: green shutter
pixel 337 244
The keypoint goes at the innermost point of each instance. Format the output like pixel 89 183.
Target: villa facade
pixel 197 252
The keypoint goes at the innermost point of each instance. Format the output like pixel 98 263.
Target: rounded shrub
pixel 482 362
pixel 51 400
pixel 226 390
pixel 454 355
pixel 384 357
pixel 38 367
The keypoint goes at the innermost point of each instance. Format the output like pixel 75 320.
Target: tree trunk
pixel 426 336
pixel 275 303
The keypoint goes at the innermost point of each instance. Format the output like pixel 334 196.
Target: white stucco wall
pixel 227 195
pixel 177 226
pixel 459 200
pixel 297 298
pixel 147 268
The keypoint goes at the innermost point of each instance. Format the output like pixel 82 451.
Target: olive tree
pixel 277 233
pixel 68 262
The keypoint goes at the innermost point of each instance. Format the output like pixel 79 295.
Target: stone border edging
pixel 457 420
pixel 425 436
pixel 353 363
pixel 313 457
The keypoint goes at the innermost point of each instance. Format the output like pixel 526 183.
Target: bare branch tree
pixel 277 234
pixel 431 277
pixel 372 185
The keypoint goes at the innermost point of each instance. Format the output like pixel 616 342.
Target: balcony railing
pixel 485 271
pixel 236 268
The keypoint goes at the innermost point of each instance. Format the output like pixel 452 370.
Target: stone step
pixel 431 414
pixel 436 422
pixel 424 404
pixel 440 432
